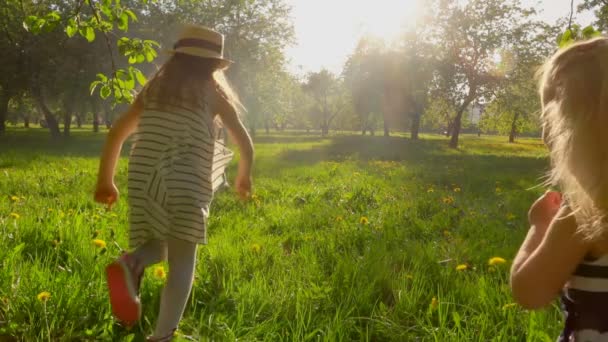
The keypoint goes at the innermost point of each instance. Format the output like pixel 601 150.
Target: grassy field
pixel 348 238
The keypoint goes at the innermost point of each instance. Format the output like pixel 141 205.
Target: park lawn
pixel 346 238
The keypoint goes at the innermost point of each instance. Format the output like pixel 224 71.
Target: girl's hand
pixel 106 193
pixel 243 185
pixel 544 209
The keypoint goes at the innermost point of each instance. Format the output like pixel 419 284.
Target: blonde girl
pixel 176 164
pixel 565 253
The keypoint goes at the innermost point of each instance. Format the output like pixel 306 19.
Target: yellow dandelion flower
pixel 448 200
pixel 50 210
pixel 256 248
pixel 456 189
pixel 434 303
pixel 339 219
pixel 15 198
pixel 99 243
pixel 363 220
pixel 43 296
pixel 159 272
pixel 462 267
pixel 496 261
pixel 15 215
pixel 509 306
pixel 510 216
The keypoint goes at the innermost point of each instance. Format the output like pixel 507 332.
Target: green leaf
pixel 140 77
pixel 150 55
pixel 130 82
pixel 107 11
pixel 566 39
pixel 53 16
pixel 29 22
pixel 152 42
pixel 72 28
pixel 132 60
pixel 590 32
pixel 123 22
pixel 93 86
pixel 102 77
pixel 89 34
pixel 105 92
pixel 131 15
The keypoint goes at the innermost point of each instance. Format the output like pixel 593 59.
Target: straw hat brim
pixel 224 63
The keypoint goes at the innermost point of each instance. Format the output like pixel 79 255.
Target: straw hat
pixel 202 42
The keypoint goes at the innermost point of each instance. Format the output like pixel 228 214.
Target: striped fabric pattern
pixel 177 162
pixel 585 302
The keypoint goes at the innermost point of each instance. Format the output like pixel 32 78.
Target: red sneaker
pixel 123 284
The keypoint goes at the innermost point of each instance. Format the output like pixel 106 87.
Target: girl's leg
pixel 150 253
pixel 182 261
pixel 124 279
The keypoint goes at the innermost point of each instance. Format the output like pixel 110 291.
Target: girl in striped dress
pixel 565 253
pixel 176 164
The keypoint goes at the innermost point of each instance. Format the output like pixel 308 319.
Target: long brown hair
pixel 182 81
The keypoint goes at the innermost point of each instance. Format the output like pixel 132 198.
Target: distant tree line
pixel 462 66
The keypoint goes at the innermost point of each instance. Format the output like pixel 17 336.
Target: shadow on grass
pixel 38 141
pixel 431 159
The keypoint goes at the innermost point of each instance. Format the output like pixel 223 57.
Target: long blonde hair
pixel 182 79
pixel 574 97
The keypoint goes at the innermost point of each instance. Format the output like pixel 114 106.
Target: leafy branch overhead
pixel 575 33
pixel 106 17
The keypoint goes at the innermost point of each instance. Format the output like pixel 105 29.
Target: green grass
pixel 296 263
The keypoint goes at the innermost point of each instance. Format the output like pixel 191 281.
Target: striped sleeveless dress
pixel 585 303
pixel 177 162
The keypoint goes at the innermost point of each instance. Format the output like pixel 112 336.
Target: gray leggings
pixel 181 256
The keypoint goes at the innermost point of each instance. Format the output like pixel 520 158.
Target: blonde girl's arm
pixel 123 127
pixel 241 137
pixel 544 264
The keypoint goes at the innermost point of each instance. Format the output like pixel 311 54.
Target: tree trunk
pixel 415 128
pixel 513 132
pixel 107 112
pixel 324 130
pixel 456 125
pixel 363 130
pixel 26 121
pixel 267 127
pixel 3 110
pixel 448 128
pixel 387 132
pixel 67 123
pixel 79 120
pixel 51 122
pixel 95 121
